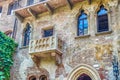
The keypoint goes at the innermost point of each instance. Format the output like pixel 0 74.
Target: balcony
pixel 43 6
pixel 44 46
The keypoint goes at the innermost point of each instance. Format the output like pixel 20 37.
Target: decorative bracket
pixel 33 13
pixel 69 4
pixel 90 1
pixel 19 17
pixel 50 9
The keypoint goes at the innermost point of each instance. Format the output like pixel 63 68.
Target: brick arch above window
pixel 32 77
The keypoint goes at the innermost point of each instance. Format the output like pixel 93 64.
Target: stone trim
pixel 102 33
pixel 24 47
pixel 86 69
pixel 82 36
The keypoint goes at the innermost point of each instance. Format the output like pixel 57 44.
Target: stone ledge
pixel 103 33
pixel 24 47
pixel 82 36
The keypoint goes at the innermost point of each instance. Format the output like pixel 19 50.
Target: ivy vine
pixel 7 48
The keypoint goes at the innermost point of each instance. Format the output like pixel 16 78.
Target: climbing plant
pixel 7 48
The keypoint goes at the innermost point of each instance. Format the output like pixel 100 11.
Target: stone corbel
pixel 69 4
pixel 58 58
pixel 89 1
pixel 32 13
pixel 19 17
pixel 50 9
pixel 36 60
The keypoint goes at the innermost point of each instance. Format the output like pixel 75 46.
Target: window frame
pixel 47 28
pixel 98 23
pixel 78 22
pixel 10 9
pixel 24 38
pixel 1 9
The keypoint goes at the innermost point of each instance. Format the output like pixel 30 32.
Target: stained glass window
pixel 82 24
pixel 102 20
pixel 27 34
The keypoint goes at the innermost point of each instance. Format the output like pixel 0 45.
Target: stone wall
pixel 95 49
pixel 6 21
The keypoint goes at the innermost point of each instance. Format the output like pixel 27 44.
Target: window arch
pixel 102 20
pixel 10 8
pixel 84 77
pixel 27 35
pixel 32 78
pixel 82 24
pixel 43 77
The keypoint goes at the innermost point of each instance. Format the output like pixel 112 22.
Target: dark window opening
pixel 84 77
pixel 15 29
pixel 82 24
pixel 43 77
pixel 102 20
pixel 10 8
pixel 27 34
pixel 30 2
pixel 32 78
pixel 48 32
pixel 0 9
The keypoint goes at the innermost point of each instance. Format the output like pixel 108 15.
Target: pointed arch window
pixel 10 8
pixel 0 9
pixel 102 20
pixel 82 24
pixel 27 35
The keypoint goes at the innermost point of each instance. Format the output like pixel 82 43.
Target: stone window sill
pixel 82 36
pixel 24 47
pixel 103 33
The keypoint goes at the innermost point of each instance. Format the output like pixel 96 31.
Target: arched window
pixel 84 77
pixel 102 20
pixel 27 35
pixel 10 8
pixel 0 9
pixel 32 78
pixel 43 77
pixel 82 24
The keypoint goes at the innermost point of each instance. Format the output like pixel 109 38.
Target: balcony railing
pixel 46 45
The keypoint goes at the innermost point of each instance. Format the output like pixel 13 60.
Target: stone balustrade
pixel 46 45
